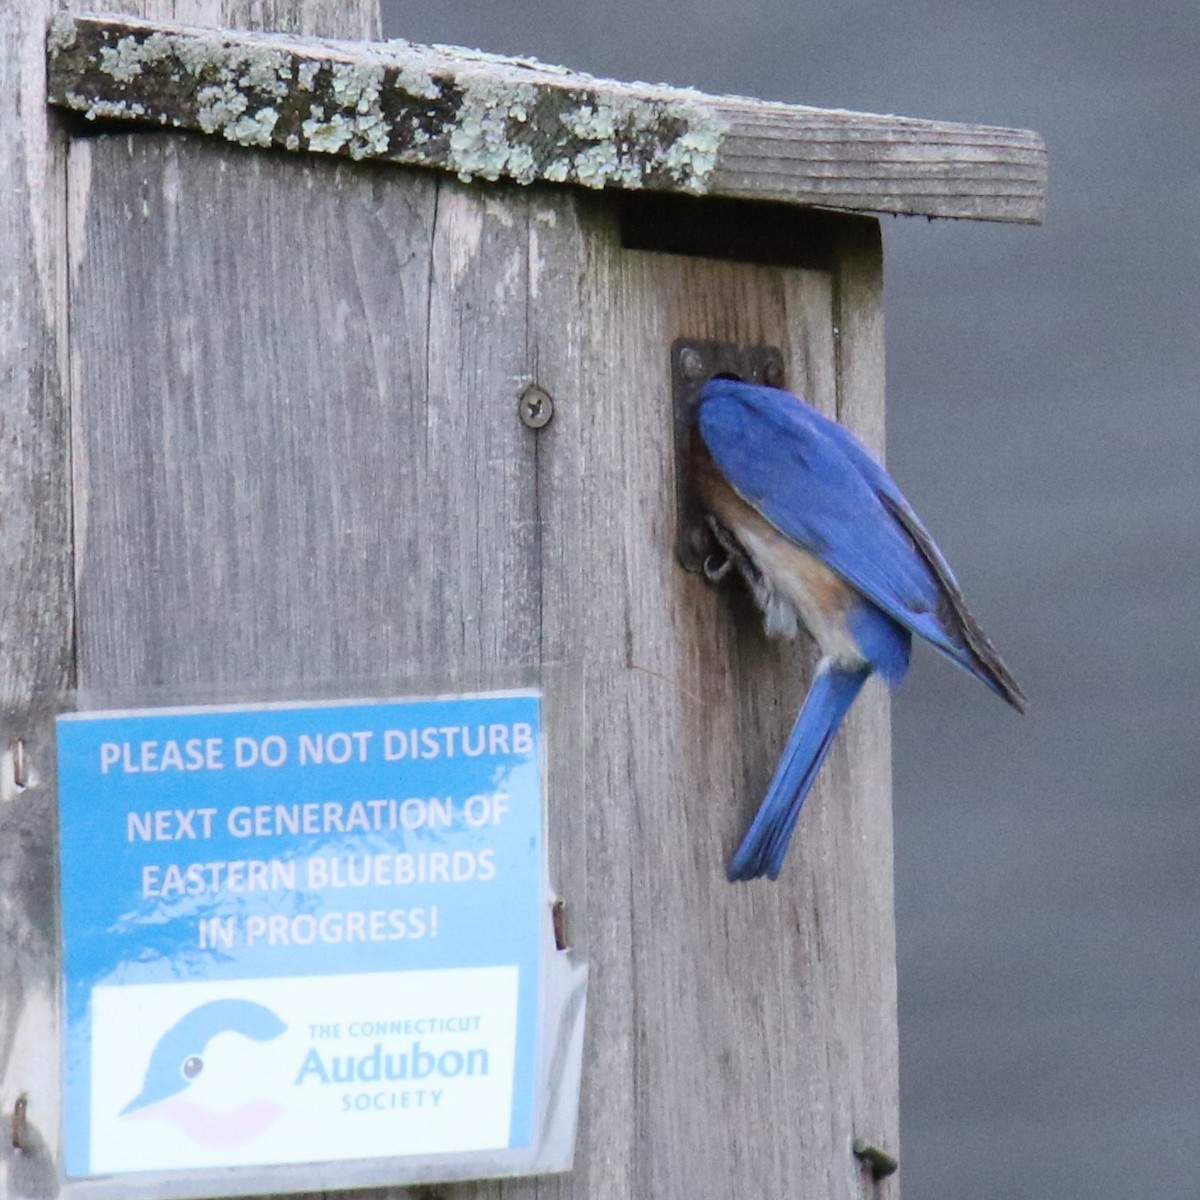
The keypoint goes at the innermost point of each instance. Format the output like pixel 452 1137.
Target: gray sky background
pixel 1044 419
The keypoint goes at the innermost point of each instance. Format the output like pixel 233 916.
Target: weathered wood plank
pixel 482 116
pixel 260 514
pixel 753 1007
pixel 35 596
pixel 865 749
pixel 37 603
pixel 309 18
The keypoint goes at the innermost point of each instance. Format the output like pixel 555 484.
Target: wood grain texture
pixel 866 734
pixel 35 605
pixel 356 19
pixel 299 463
pixel 755 1010
pixel 215 465
pixel 482 116
pixel 37 664
pixel 310 476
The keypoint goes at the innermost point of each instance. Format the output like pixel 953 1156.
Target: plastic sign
pixel 301 932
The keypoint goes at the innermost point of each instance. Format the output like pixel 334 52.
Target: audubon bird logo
pixel 178 1061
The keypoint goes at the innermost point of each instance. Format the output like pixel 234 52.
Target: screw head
pixel 773 375
pixel 880 1163
pixel 20 1123
pixel 691 363
pixel 20 771
pixel 536 407
pixel 558 919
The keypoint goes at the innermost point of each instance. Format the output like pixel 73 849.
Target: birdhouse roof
pixel 481 116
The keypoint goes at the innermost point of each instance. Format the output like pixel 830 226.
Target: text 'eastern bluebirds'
pixel 823 538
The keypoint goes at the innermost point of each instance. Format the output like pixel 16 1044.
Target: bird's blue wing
pixel 818 485
pixel 800 471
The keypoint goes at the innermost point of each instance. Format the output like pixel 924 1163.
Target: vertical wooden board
pixel 579 544
pixel 572 523
pixel 583 476
pixel 611 469
pixel 34 499
pixel 35 596
pixel 479 529
pixel 298 442
pixel 742 1035
pixel 249 344
pixel 859 322
pixel 357 21
pixel 866 739
pixel 36 608
pixel 702 1034
pixel 345 19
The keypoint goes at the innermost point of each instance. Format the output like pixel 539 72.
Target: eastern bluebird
pixel 823 538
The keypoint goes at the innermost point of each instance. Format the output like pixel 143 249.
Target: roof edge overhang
pixel 482 116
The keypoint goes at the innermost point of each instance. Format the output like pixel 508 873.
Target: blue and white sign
pixel 300 933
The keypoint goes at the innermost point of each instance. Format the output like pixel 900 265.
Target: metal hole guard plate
pixel 693 364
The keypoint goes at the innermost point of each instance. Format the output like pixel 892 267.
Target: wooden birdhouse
pixel 356 374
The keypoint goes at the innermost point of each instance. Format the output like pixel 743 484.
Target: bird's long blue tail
pixel 828 700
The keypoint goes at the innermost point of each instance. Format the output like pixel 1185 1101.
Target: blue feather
pixel 828 700
pixel 818 486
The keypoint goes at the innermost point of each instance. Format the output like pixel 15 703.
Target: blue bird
pixel 824 539
pixel 178 1059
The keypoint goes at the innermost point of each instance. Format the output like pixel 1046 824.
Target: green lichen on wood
pixel 476 115
pixel 482 116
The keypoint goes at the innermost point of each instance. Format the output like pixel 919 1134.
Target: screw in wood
pixel 19 1123
pixel 773 375
pixel 881 1163
pixel 691 363
pixel 558 918
pixel 536 407
pixel 20 772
